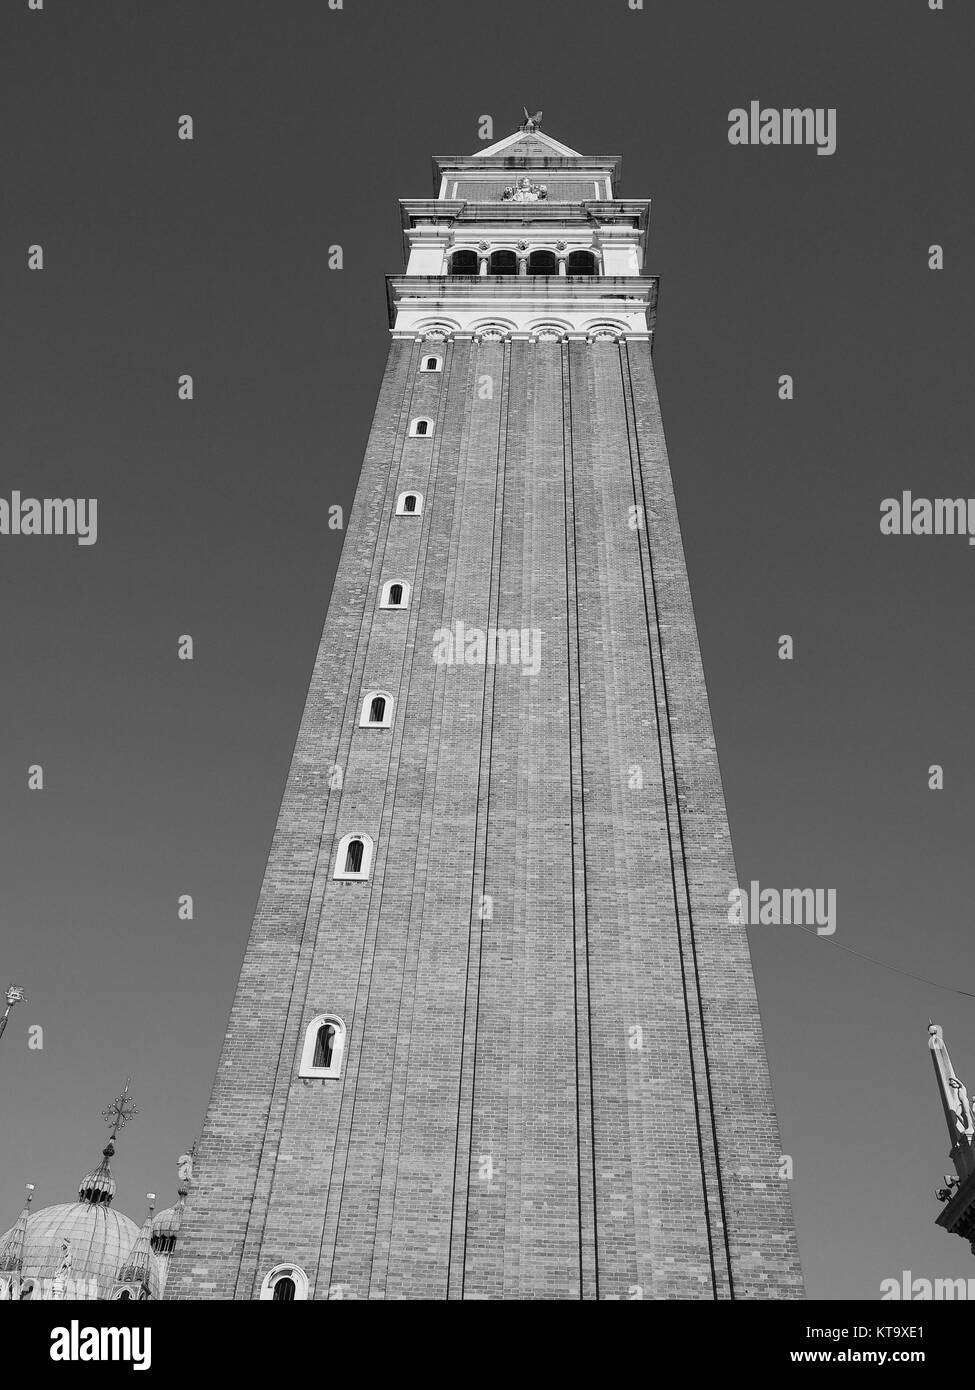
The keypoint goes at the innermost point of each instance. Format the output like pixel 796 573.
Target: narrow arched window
pixel 431 364
pixel 543 263
pixel 409 504
pixel 421 428
pixel 463 263
pixel 581 263
pixel 353 858
pixel 377 710
pixel 323 1048
pixel 284 1291
pixel 395 594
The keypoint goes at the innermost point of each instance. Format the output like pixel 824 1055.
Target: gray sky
pixel 162 257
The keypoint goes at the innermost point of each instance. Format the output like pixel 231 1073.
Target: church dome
pixel 100 1241
pixel 165 1228
pixel 167 1222
pixel 83 1249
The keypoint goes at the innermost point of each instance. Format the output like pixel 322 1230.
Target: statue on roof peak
pixel 531 123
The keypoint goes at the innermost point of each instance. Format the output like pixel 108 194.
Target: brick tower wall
pixel 501 1127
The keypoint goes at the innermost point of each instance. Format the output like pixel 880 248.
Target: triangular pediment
pixel 532 144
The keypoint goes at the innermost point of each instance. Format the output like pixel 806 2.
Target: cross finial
pixel 122 1108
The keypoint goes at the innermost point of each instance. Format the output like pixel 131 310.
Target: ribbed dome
pixel 167 1223
pixel 99 1186
pixel 101 1239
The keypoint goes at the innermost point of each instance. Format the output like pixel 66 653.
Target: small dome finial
pixel 99 1185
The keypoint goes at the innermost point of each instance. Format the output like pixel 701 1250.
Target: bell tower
pixel 494 1036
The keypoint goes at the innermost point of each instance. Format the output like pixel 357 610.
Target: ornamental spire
pixel 136 1267
pixel 99 1186
pixel 12 1254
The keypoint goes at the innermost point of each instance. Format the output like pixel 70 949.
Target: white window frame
pixel 285 1272
pixel 387 720
pixel 421 420
pixel 307 1065
pixel 401 503
pixel 384 597
pixel 431 356
pixel 339 870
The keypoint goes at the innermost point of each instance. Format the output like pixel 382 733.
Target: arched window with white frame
pixel 431 362
pixel 395 594
pixel 353 858
pixel 377 711
pixel 323 1049
pixel 421 427
pixel 284 1284
pixel 409 504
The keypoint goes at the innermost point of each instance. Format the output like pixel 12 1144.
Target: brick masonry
pixel 565 1096
pixel 503 1046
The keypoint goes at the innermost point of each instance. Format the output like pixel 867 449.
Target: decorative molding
pixel 539 136
pixel 436 328
pixel 605 332
pixel 298 1277
pixel 548 333
pixel 524 191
